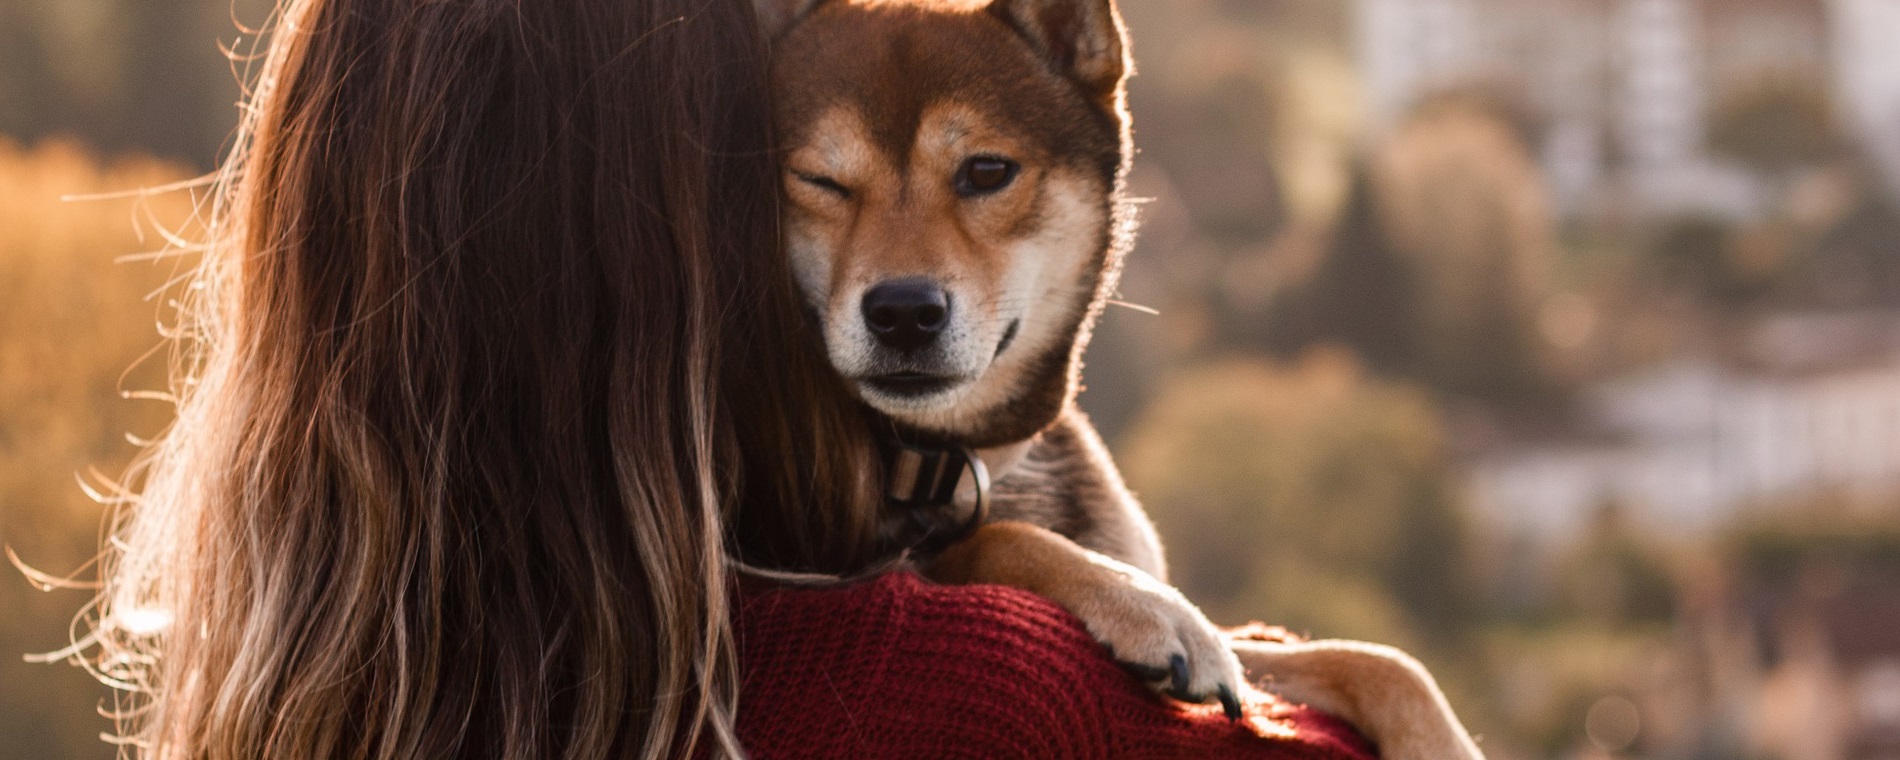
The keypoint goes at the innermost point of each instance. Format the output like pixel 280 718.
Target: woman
pixel 489 349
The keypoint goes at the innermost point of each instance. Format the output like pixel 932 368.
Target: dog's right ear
pixel 779 15
pixel 1082 39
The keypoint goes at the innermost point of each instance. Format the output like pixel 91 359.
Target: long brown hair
pixel 490 346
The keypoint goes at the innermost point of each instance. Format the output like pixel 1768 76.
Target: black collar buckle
pixel 923 480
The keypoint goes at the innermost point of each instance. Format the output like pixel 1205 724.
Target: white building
pixel 1628 83
pixel 1867 76
pixel 1552 55
pixel 1690 445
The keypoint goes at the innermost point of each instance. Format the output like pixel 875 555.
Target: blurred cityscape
pixel 1557 341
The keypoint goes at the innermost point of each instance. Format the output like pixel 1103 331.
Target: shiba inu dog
pixel 956 221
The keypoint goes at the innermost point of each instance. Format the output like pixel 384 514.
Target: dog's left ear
pixel 1083 39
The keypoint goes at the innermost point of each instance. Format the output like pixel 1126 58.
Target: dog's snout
pixel 906 314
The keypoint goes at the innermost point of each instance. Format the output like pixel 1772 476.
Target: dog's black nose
pixel 906 314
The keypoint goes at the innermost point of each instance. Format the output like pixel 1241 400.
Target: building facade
pixel 1812 412
pixel 1623 88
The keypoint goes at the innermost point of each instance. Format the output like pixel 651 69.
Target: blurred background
pixel 1557 341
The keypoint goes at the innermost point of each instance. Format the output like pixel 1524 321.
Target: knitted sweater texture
pixel 898 667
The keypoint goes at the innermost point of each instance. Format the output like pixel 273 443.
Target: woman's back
pixel 899 667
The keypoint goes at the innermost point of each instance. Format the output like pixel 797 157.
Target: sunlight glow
pixel 142 622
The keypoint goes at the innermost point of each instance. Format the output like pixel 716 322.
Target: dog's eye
pixel 824 183
pixel 983 175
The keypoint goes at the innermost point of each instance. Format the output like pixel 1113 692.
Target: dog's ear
pixel 1083 39
pixel 779 15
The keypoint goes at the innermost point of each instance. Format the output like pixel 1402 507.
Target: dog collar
pixel 922 480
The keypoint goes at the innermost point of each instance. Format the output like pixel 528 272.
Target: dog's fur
pixel 883 107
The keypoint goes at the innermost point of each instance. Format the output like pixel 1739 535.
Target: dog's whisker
pixel 1150 310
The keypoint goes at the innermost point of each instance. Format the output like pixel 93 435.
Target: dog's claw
pixel 1148 674
pixel 1229 702
pixel 1159 636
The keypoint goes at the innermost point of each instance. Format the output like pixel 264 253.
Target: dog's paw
pixel 1385 693
pixel 1155 632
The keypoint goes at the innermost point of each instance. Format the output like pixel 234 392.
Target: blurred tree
pixel 1211 132
pixel 1843 262
pixel 1855 263
pixel 1776 125
pixel 143 75
pixel 1310 495
pixel 1467 210
pixel 1703 256
pixel 1614 578
pixel 1365 294
pixel 1208 104
pixel 71 324
pixel 1778 551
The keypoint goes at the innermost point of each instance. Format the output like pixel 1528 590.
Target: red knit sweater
pixel 901 668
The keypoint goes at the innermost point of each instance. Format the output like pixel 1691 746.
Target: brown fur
pixel 879 101
pixel 888 66
pixel 1067 483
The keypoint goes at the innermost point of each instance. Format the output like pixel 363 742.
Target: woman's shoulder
pixel 899 667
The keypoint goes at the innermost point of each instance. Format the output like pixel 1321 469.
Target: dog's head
pixel 954 212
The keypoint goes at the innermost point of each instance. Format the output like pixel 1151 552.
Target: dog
pixel 956 220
